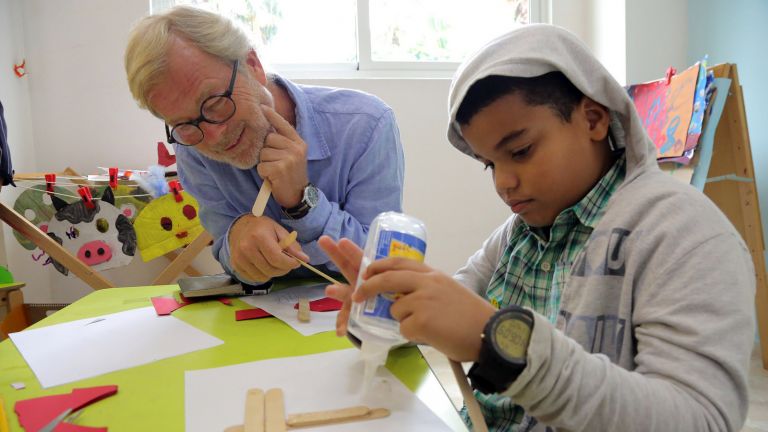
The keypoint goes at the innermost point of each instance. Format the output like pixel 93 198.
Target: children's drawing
pixel 130 200
pixel 36 206
pixel 667 110
pixel 166 224
pixel 102 237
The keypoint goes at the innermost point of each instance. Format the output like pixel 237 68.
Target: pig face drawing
pixel 101 237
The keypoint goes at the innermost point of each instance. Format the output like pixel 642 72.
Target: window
pixel 370 35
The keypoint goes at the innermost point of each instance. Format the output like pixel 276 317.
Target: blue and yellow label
pixel 393 244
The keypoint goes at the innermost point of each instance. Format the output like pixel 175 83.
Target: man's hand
pixel 347 256
pixel 254 250
pixel 433 308
pixel 283 161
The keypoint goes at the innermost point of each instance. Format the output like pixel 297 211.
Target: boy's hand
pixel 433 308
pixel 283 161
pixel 347 256
pixel 255 253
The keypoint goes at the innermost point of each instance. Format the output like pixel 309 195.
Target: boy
pixel 626 294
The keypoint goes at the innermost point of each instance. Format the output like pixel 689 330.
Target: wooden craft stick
pixel 284 243
pixel 313 269
pixel 261 199
pixel 274 406
pixel 254 411
pixel 325 417
pixel 478 421
pixel 304 310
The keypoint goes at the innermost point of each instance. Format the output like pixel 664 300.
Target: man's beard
pixel 245 155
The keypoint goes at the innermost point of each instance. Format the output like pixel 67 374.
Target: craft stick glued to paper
pixel 266 413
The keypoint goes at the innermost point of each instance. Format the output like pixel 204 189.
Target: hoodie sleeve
pixel 694 326
pixel 477 272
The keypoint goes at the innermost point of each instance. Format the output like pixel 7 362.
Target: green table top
pixel 151 397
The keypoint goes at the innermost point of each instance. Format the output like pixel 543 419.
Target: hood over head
pixel 536 49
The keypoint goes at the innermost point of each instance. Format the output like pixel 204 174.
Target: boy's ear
pixel 597 117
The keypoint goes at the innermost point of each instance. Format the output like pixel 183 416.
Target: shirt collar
pixel 306 121
pixel 591 208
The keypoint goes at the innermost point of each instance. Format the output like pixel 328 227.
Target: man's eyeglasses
pixel 215 109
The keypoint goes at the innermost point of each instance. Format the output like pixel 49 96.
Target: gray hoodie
pixel 656 322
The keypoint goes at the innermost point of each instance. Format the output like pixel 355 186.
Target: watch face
pixel 310 195
pixel 511 336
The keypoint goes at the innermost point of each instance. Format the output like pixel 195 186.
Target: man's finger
pixel 280 124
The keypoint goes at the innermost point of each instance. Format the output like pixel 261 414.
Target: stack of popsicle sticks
pixel 265 412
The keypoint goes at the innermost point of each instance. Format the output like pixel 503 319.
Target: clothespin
pixel 85 194
pixel 176 189
pixel 113 178
pixel 670 73
pixel 50 180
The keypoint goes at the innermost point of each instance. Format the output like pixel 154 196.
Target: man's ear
pixel 255 67
pixel 598 118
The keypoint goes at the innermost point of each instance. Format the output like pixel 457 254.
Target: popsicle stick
pixel 261 199
pixel 313 269
pixel 274 406
pixel 289 240
pixel 478 421
pixel 303 313
pixel 254 411
pixel 325 417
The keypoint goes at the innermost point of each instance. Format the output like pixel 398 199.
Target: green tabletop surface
pixel 151 396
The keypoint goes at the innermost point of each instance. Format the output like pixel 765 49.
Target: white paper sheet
pixel 215 398
pixel 76 350
pixel 280 304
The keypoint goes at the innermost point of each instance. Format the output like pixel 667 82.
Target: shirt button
pixel 546 266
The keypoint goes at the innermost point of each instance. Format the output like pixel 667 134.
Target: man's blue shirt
pixel 354 157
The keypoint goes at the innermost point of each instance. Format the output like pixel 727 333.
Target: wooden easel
pixel 180 262
pixel 731 186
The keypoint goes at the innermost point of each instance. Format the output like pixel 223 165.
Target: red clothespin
pixel 670 73
pixel 85 194
pixel 50 180
pixel 113 178
pixel 176 189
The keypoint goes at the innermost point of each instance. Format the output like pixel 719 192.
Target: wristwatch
pixel 307 203
pixel 503 350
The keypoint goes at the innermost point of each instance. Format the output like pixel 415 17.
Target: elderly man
pixel 333 156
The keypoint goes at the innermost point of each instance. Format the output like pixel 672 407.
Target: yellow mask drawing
pixel 165 225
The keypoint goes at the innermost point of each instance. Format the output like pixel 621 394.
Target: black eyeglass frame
pixel 196 122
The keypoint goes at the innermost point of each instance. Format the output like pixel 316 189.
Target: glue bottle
pixel 391 234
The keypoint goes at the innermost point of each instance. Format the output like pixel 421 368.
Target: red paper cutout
pixel 325 304
pixel 166 305
pixel 164 157
pixel 36 413
pixel 247 314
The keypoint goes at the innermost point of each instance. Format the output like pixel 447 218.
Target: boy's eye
pixel 517 154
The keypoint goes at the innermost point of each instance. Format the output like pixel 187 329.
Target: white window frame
pixel 539 11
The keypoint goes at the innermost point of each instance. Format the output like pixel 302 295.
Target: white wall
pixel 14 93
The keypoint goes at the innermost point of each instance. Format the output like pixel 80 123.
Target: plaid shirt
pixel 534 269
